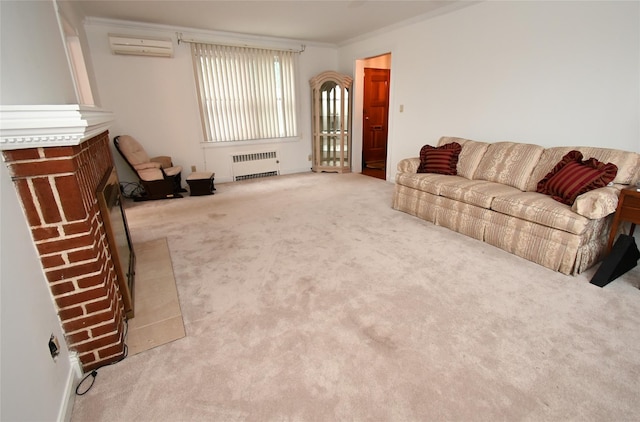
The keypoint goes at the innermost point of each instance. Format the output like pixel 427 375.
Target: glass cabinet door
pixel 331 122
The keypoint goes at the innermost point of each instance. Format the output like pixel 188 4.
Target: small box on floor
pixel 201 183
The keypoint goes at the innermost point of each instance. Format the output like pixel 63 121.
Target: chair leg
pixel 177 184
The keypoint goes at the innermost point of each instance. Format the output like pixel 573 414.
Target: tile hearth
pixel 158 318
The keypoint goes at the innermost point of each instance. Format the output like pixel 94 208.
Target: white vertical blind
pixel 245 93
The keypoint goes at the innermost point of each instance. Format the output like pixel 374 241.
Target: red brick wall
pixel 57 187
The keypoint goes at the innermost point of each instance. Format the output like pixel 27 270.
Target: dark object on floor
pixel 201 183
pixel 158 176
pixel 623 257
pixel 131 190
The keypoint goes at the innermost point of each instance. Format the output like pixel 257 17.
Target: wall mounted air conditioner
pixel 141 46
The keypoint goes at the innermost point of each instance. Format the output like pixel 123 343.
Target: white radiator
pixel 255 164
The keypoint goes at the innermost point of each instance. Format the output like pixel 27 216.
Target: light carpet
pixel 307 297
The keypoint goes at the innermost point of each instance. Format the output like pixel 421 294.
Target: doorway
pixel 375 116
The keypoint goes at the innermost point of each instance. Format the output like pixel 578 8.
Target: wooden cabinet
pixel 628 210
pixel 331 122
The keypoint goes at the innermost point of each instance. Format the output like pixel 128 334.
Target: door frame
pixel 357 113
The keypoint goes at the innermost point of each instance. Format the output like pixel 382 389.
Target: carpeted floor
pixel 306 297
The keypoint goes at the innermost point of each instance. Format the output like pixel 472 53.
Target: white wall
pixel 34 70
pixel 549 73
pixel 34 66
pixel 34 387
pixel 154 100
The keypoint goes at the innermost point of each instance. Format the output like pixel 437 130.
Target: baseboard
pixel 223 179
pixel 296 170
pixel 69 397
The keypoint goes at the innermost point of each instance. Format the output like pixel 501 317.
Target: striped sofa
pixel 493 198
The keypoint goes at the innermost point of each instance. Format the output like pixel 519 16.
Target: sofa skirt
pixel 555 249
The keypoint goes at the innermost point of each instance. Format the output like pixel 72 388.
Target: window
pixel 245 93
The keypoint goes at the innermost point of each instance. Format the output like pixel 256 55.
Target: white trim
pixel 270 141
pixel 452 7
pixel 69 397
pixel 208 35
pixel 35 126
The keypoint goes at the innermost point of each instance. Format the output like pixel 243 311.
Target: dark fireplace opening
pixel 117 230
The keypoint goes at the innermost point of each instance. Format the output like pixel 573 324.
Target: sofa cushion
pixel 509 163
pixel 542 209
pixel 441 160
pixel 572 177
pixel 628 163
pixel 427 182
pixel 475 192
pixel 470 156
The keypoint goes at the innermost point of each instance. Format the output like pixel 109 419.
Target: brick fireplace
pixel 56 171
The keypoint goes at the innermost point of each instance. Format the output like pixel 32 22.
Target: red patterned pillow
pixel 572 177
pixel 443 159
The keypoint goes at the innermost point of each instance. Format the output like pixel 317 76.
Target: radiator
pixel 255 164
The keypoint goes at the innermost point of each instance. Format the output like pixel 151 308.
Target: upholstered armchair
pixel 158 176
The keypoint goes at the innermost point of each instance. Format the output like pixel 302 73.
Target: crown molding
pixel 202 34
pixel 36 126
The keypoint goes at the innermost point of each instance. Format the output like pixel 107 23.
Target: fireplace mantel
pixel 35 126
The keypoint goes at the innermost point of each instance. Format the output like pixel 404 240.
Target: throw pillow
pixel 442 160
pixel 572 177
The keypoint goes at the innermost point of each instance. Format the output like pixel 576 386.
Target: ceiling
pixel 326 21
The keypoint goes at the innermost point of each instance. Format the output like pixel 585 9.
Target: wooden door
pixel 375 121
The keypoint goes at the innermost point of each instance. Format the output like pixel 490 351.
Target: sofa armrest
pixel 408 165
pixel 164 161
pixel 597 203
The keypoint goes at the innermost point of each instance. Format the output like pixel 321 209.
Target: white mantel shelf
pixel 36 126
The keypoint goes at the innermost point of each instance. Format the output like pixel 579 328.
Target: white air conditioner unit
pixel 141 46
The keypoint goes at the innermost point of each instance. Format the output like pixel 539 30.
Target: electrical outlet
pixel 193 169
pixel 309 158
pixel 54 347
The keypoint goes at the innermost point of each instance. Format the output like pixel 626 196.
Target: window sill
pixel 249 142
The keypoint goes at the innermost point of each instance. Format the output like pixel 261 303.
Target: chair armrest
pixel 151 174
pixel 145 166
pixel 172 171
pixel 164 161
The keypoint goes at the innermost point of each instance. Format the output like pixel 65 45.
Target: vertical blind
pixel 245 93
